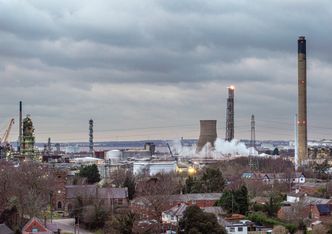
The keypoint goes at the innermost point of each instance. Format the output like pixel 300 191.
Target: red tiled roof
pixel 35 223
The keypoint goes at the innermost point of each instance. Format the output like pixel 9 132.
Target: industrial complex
pixel 194 166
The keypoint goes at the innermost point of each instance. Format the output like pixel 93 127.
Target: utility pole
pixel 51 195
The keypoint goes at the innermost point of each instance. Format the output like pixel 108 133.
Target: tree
pixel 241 198
pixel 235 201
pixel 321 168
pixel 121 224
pixel 25 188
pixel 210 180
pixel 130 184
pixel 91 173
pixel 90 211
pixel 273 205
pixel 190 181
pixel 319 229
pixel 118 177
pixel 275 151
pixel 279 230
pixel 196 221
pixel 94 216
pixel 227 201
pixel 297 214
pixel 157 191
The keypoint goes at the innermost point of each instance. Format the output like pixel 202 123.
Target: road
pixel 67 225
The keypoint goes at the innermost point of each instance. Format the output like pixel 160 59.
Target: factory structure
pixel 28 139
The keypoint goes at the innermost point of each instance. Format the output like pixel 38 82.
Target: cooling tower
pixel 302 101
pixel 208 133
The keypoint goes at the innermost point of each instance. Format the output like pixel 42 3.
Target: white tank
pixel 113 156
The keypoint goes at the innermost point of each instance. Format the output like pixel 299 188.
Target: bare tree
pixel 279 230
pixel 26 187
pixel 319 229
pixel 118 177
pixel 298 213
pixel 6 183
pixel 257 188
pixel 157 191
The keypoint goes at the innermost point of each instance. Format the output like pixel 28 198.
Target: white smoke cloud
pixel 232 148
pixel 182 150
pixel 221 149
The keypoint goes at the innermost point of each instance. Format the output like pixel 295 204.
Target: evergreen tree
pixel 213 180
pixel 241 198
pixel 275 151
pixel 210 181
pixel 227 202
pixel 273 205
pixel 196 221
pixel 189 184
pixel 91 173
pixel 130 184
pixel 235 201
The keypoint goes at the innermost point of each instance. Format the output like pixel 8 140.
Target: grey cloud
pixel 152 62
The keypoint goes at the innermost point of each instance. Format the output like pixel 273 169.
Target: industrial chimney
pixel 91 137
pixel 208 133
pixel 230 114
pixel 20 129
pixel 253 137
pixel 302 101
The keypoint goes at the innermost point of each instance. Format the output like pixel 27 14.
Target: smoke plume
pixel 221 149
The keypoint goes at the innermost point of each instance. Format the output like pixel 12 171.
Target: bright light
pixel 191 170
pixel 180 170
pixel 232 87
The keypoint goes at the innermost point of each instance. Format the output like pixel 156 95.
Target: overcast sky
pixel 151 69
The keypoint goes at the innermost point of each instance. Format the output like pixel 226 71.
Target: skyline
pixel 138 68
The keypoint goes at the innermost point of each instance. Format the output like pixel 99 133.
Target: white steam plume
pixel 221 148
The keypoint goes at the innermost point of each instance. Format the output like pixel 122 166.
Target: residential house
pixel 299 178
pixel 36 226
pixel 270 178
pixel 312 208
pixel 4 229
pixel 143 207
pixel 174 214
pixel 237 228
pixel 311 188
pixel 245 227
pixel 216 210
pixel 295 196
pixel 301 211
pixel 109 197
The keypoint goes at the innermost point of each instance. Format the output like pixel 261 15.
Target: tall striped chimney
pixel 302 101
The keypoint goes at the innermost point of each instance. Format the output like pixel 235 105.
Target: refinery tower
pixel 302 101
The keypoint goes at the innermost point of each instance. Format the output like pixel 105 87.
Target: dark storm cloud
pixel 153 62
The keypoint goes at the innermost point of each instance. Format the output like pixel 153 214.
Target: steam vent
pixel 208 133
